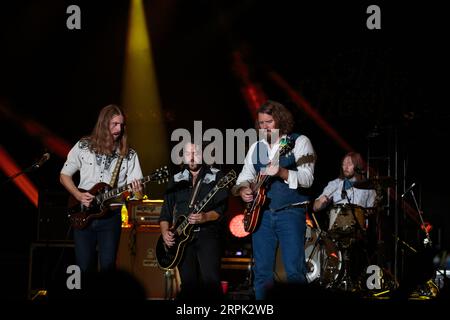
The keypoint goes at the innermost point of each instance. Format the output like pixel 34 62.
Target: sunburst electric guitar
pixel 252 212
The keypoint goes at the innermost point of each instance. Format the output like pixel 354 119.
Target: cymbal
pixel 375 183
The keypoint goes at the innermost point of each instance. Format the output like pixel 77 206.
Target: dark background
pixel 390 81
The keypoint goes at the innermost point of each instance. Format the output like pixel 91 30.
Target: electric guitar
pixel 169 257
pixel 80 215
pixel 253 208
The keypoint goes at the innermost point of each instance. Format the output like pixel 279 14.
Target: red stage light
pixel 236 226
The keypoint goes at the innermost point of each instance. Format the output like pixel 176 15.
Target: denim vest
pixel 278 192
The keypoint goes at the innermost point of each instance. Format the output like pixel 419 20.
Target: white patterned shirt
pixel 96 168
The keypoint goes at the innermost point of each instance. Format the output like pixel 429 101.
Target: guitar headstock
pixel 160 175
pixel 229 177
pixel 286 145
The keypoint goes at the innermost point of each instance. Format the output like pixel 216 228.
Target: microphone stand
pixel 14 176
pixel 427 241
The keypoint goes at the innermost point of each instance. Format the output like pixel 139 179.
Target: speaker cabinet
pixel 53 224
pixel 48 262
pixel 137 256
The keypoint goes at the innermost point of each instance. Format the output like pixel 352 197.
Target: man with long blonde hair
pixel 95 157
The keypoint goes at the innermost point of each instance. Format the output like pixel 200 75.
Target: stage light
pixel 303 104
pixel 53 143
pixel 251 91
pixel 236 226
pixel 10 168
pixel 145 123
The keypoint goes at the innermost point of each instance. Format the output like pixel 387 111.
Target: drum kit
pixel 336 257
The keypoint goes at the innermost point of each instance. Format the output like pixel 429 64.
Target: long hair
pixel 358 164
pixel 284 121
pixel 101 141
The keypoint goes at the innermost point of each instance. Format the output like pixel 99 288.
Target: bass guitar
pixel 80 215
pixel 169 257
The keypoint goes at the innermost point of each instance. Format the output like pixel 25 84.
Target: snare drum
pixel 342 218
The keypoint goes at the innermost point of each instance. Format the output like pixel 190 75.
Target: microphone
pixel 44 159
pixel 409 189
pixel 359 171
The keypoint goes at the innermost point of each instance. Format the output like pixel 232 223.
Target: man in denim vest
pixel 285 160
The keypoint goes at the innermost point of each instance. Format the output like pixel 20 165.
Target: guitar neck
pixel 119 190
pixel 261 179
pixel 221 184
pixel 199 206
pixel 282 151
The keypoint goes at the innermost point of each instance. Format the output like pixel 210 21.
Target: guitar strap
pixel 193 196
pixel 116 171
pixel 114 176
pixel 195 192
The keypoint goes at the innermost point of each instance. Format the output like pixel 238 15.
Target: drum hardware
pixel 303 204
pixel 375 183
pixel 323 258
pixel 315 221
pixel 347 280
pixel 349 223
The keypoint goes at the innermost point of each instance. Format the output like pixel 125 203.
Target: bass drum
pixel 323 258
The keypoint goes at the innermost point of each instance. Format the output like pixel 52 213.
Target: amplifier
pixel 136 255
pixel 144 212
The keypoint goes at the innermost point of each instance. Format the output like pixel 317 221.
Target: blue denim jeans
pixel 102 234
pixel 286 227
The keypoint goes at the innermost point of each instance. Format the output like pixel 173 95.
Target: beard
pixel 348 175
pixel 116 137
pixel 194 166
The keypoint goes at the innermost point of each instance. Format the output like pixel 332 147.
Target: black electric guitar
pixel 169 257
pixel 80 215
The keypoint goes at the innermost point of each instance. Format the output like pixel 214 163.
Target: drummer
pixel 342 191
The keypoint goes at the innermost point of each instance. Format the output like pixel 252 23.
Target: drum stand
pixel 345 244
pixel 325 267
pixel 310 262
pixel 346 282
